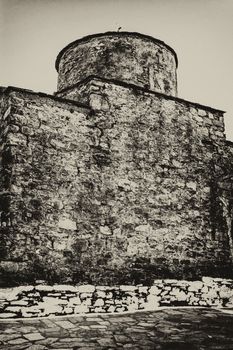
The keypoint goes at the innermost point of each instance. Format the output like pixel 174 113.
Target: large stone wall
pixel 164 164
pixel 128 57
pixel 47 154
pixel 122 192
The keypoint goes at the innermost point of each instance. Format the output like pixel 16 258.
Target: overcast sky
pixel 32 32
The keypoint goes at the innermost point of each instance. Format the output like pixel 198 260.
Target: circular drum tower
pixel 124 56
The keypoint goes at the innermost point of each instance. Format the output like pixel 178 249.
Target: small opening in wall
pixel 213 235
pixel 207 142
pixel 67 253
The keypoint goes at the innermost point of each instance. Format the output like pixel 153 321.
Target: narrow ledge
pixel 10 89
pixel 142 89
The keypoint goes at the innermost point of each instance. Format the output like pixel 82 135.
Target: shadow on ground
pixel 167 329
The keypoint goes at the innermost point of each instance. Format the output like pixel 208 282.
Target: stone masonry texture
pixel 128 57
pixel 57 300
pixel 113 180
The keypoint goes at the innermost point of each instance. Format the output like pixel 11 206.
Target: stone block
pixel 143 289
pixel 87 301
pixel 19 303
pixel 15 309
pixel 80 309
pixel 51 309
pixel 225 292
pixel 33 336
pixel 202 112
pixel 120 309
pixel 68 310
pixel 99 309
pixel 74 301
pixel 192 185
pixel 154 290
pixel 50 301
pixel 127 288
pixel 99 302
pixel 67 224
pixel 8 315
pixel 88 288
pixel 100 294
pixel 109 295
pixel 132 307
pixel 209 281
pixel 65 288
pixel 17 341
pixel 105 230
pixel 44 288
pixel 195 286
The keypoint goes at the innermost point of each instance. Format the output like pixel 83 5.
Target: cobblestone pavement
pixel 167 329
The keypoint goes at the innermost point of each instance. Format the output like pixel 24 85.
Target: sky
pixel 32 32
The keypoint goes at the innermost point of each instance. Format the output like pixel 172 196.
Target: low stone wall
pixel 44 300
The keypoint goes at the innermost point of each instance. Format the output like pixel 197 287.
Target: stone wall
pixel 128 57
pixel 164 162
pixel 48 147
pixel 226 189
pixel 121 192
pixel 5 172
pixel 44 300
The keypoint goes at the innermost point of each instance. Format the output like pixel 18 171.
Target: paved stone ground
pixel 167 329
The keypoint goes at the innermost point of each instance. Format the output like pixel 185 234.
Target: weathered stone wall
pixel 48 148
pixel 44 300
pixel 128 57
pixel 119 193
pixel 5 173
pixel 225 185
pixel 161 158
